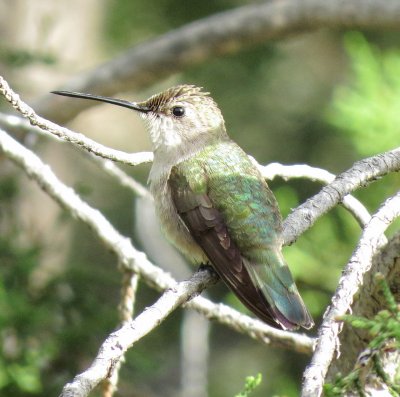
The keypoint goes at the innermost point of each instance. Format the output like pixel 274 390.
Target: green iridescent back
pixel 225 173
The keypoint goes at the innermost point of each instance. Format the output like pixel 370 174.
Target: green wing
pixel 233 216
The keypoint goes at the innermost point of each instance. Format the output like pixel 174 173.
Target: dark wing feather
pixel 209 230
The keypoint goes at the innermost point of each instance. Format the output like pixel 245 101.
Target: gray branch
pixel 117 343
pixel 359 175
pixel 79 140
pixel 126 308
pixel 286 172
pixel 224 33
pixel 349 283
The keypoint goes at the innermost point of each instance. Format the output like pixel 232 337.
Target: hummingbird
pixel 213 203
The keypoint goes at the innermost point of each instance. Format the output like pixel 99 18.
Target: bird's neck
pixel 167 156
pixel 171 147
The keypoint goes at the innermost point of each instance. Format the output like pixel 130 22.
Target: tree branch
pixel 67 135
pixel 224 33
pixel 252 327
pixel 286 172
pixel 130 282
pixel 121 340
pixel 362 172
pixel 10 122
pixel 125 180
pixel 349 283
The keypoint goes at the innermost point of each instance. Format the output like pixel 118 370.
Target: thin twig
pixel 286 172
pixel 349 283
pixel 252 327
pixel 110 168
pixel 65 134
pixel 362 172
pixel 121 340
pixel 126 308
pixel 10 122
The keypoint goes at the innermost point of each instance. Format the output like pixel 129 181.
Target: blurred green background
pixel 326 99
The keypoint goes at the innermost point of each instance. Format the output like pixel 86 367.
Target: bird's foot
pixel 207 267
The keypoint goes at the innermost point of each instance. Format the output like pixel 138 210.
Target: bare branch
pixel 252 327
pixel 65 134
pixel 224 33
pixel 128 296
pixel 11 121
pixel 121 340
pixel 349 283
pixel 273 170
pixel 122 178
pixel 362 172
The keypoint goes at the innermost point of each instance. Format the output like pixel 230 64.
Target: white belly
pixel 171 224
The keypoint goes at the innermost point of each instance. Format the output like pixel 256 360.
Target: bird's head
pixel 179 116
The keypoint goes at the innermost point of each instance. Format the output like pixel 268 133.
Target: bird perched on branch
pixel 213 203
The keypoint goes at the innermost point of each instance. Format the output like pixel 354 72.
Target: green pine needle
pixel 250 384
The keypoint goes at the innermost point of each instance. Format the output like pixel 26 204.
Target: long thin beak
pixel 118 102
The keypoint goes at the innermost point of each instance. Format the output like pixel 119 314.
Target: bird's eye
pixel 178 111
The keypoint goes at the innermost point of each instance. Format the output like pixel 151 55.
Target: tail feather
pixel 275 282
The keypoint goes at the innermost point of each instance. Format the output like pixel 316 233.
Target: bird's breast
pixel 170 221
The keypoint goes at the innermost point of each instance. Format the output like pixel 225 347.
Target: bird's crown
pixel 180 93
